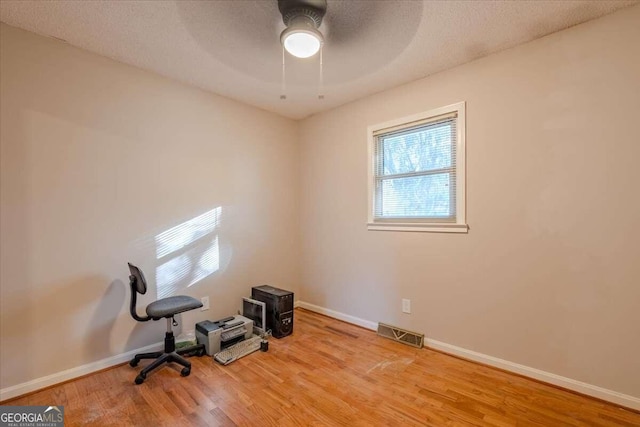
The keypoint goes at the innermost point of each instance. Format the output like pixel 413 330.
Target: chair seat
pixel 169 306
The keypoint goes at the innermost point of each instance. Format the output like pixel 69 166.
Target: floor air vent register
pixel 413 339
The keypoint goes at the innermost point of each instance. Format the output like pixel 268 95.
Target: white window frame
pixel 460 225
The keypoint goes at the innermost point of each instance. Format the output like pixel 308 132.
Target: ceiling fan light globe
pixel 301 43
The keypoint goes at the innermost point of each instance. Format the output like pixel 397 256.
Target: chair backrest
pixel 137 279
pixel 138 286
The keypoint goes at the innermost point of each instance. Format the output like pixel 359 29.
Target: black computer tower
pixel 279 305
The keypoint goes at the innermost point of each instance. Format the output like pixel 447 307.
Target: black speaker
pixel 279 305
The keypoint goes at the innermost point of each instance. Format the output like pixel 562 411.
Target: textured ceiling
pixel 232 48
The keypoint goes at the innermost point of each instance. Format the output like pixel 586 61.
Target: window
pixel 416 172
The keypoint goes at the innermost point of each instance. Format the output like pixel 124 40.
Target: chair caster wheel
pixel 140 379
pixel 134 362
pixel 185 372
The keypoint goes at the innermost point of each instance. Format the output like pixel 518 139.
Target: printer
pixel 219 334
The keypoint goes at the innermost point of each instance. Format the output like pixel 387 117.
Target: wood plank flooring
pixel 328 373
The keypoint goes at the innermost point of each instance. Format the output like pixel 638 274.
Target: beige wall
pixel 549 274
pixel 98 158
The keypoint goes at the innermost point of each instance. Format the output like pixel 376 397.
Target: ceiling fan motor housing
pixel 310 11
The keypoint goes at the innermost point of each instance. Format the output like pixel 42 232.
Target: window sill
pixel 430 227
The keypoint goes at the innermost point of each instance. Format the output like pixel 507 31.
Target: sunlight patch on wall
pixel 187 269
pixel 186 233
pixel 189 252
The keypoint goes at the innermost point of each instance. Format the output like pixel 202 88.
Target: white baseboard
pixel 547 377
pixel 337 315
pixel 69 374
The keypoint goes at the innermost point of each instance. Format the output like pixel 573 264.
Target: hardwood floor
pixel 328 373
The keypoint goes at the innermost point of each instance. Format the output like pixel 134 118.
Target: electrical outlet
pixel 406 306
pixel 205 303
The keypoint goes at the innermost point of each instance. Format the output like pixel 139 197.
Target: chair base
pixel 167 356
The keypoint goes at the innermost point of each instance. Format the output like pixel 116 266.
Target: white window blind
pixel 415 171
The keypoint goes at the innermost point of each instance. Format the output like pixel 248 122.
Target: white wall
pixel 549 274
pixel 98 158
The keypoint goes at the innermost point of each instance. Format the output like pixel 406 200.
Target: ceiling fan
pixel 358 38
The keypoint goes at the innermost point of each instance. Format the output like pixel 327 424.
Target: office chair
pixel 163 308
